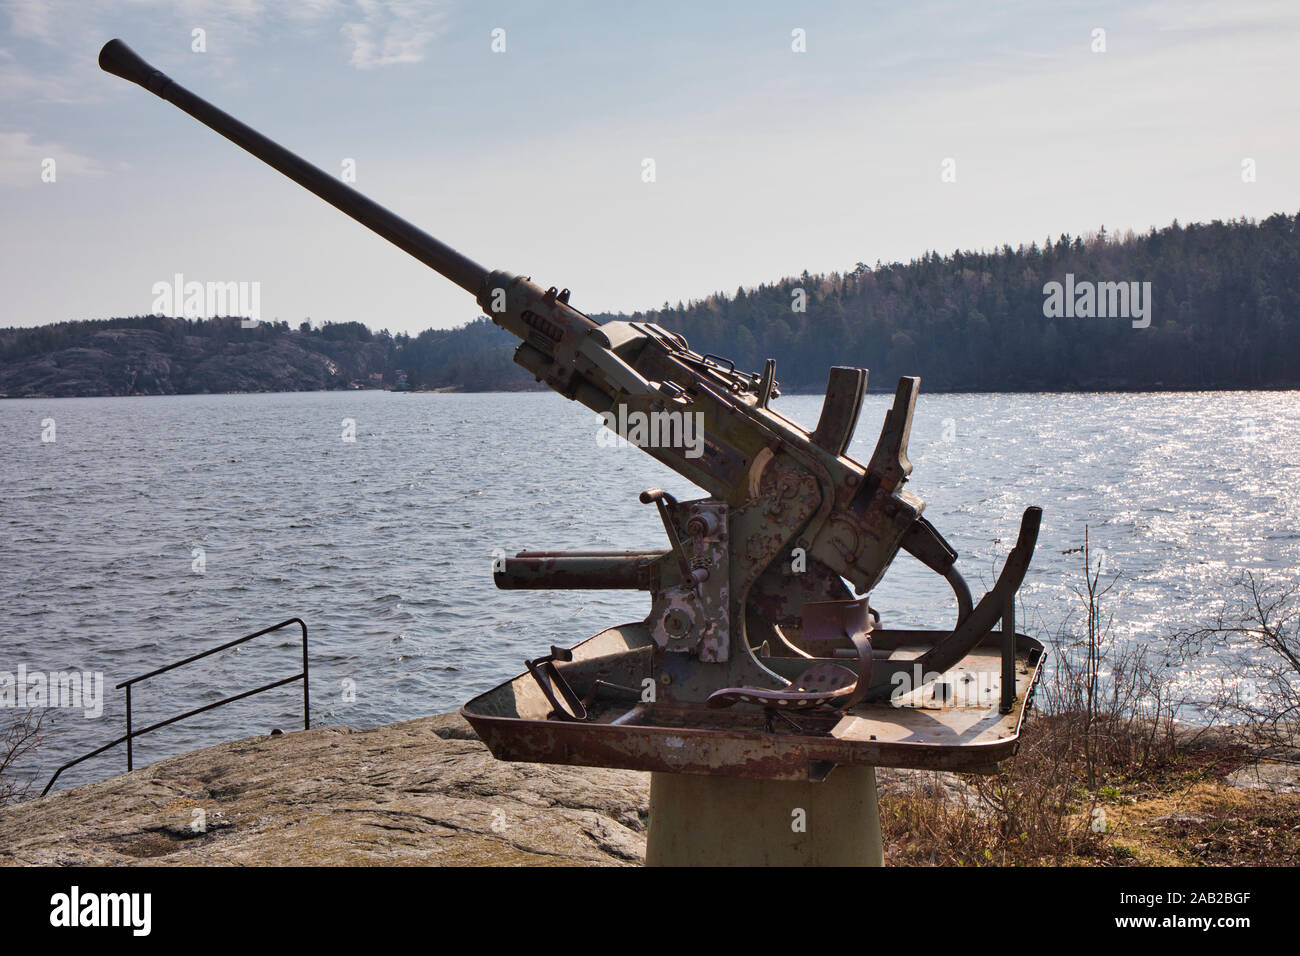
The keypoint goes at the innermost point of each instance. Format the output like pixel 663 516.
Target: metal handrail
pixel 128 684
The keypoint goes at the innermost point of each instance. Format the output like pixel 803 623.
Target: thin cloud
pixel 391 33
pixel 22 161
pixel 51 43
pixel 32 18
pixel 314 9
pixel 1250 16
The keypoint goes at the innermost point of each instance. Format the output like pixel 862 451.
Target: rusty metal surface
pixel 914 732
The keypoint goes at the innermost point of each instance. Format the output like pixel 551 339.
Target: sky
pixel 784 137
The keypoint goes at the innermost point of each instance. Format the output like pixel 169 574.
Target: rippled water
pixel 385 545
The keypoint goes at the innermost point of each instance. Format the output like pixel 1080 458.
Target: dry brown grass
pixel 1105 775
pixel 1032 811
pixel 1037 811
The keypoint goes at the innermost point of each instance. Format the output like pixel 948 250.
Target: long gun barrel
pixel 546 325
pixel 119 59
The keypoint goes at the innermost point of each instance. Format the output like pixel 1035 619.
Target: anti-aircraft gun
pixel 756 660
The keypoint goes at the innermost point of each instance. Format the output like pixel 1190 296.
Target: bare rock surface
pixel 422 792
pixel 1268 775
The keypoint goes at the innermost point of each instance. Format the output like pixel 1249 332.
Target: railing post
pixel 306 685
pixel 1009 655
pixel 129 756
pixel 128 685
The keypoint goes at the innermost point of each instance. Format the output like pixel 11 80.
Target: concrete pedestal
pixel 700 820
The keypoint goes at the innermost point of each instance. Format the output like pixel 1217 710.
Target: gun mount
pixel 756 659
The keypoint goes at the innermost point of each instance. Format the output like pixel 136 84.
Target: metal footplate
pixel 924 699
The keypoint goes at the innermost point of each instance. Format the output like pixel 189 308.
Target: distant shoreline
pixel 458 390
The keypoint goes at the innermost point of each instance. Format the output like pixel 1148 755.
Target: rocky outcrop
pixel 423 792
pixel 84 359
pixel 158 355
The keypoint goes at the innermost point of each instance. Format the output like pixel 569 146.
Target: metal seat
pixel 826 625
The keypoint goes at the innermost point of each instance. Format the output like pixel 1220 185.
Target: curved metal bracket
pixel 949 651
pixel 549 679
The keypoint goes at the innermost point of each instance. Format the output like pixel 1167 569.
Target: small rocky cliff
pixel 422 792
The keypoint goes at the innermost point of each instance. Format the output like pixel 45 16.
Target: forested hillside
pixel 1223 312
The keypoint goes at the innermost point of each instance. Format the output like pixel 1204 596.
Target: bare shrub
pixel 1261 621
pixel 22 735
